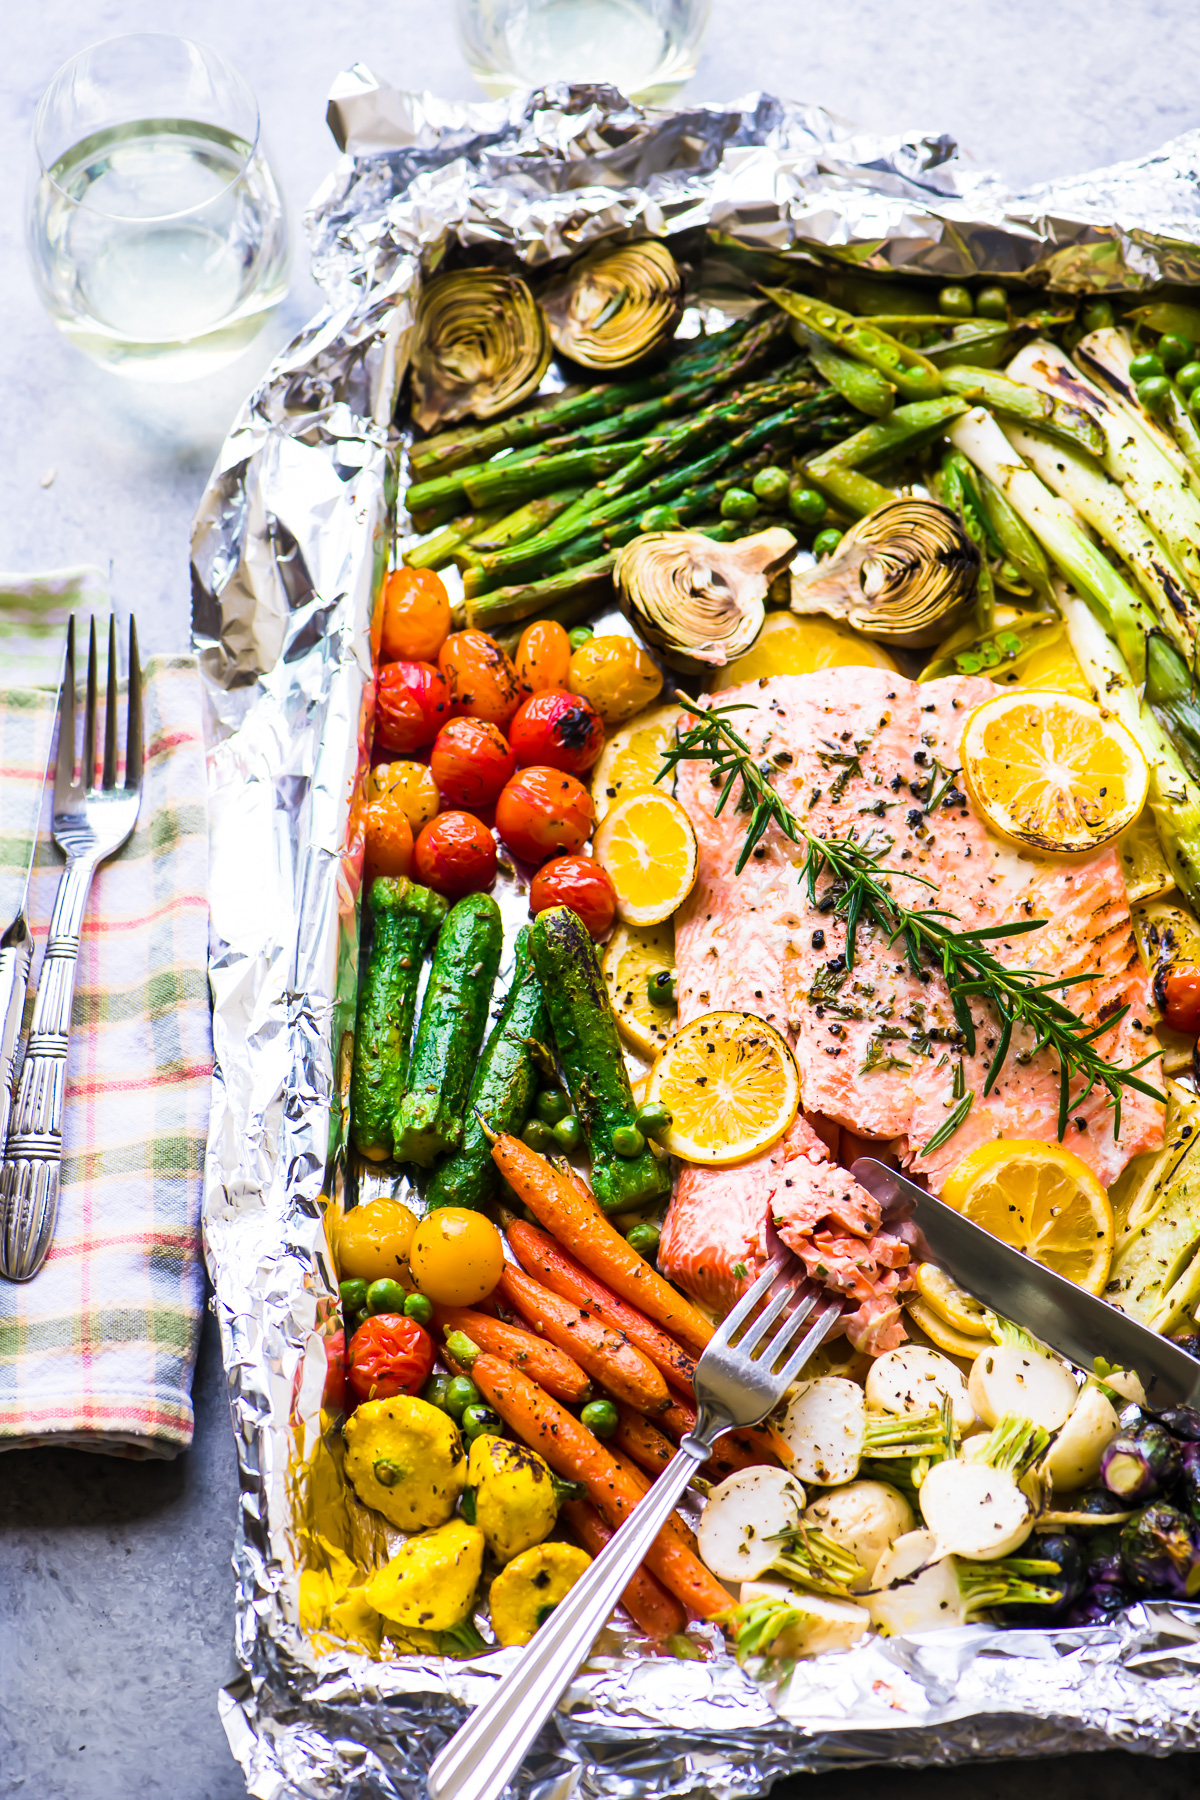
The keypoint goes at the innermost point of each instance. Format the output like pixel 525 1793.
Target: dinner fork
pixel 90 824
pixel 741 1376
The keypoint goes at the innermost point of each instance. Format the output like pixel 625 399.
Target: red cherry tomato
pixel 581 884
pixel 456 855
pixel 471 761
pixel 480 677
pixel 544 812
pixel 389 1355
pixel 333 1398
pixel 411 705
pixel 1182 1007
pixel 561 730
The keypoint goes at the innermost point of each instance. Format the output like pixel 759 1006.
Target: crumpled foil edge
pixel 289 543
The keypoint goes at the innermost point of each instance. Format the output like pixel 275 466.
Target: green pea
pixel 956 301
pixel 461 1392
pixel 418 1307
pixel 1146 365
pixel 628 1141
pixel 644 1239
pixel 579 636
pixel 1153 392
pixel 1098 316
pixel 826 542
pixel 466 1505
pixel 1187 379
pixel 353 1321
pixel 660 988
pixel 600 1417
pixel 478 1420
pixel 386 1473
pixel 353 1295
pixel 659 518
pixel 770 485
pixel 537 1135
pixel 551 1105
pixel 385 1297
pixel 1194 401
pixel 653 1118
pixel 738 503
pixel 435 1390
pixel 568 1133
pixel 991 303
pixel 805 505
pixel 1175 349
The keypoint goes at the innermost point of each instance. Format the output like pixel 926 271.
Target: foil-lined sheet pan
pixel 289 544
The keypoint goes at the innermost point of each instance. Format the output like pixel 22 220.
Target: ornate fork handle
pixel 29 1182
pixel 488 1750
pixel 16 955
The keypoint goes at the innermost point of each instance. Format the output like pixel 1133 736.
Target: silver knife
pixel 1076 1324
pixel 16 944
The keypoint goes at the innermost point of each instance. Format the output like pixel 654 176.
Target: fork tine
pixel 751 1298
pixel 110 708
pixel 799 1314
pixel 133 730
pixel 88 773
pixel 816 1334
pixel 758 1327
pixel 64 772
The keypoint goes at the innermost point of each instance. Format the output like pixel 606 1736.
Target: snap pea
pixel 909 372
pixel 865 388
pixel 1027 406
pixel 1170 319
pixel 1014 538
pixel 851 492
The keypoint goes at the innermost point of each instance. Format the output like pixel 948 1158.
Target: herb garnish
pixel 857 890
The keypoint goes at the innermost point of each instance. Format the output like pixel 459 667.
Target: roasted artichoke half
pixel 905 575
pixel 481 345
pixel 613 307
pixel 698 602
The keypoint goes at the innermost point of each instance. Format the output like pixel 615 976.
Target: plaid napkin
pixel 97 1350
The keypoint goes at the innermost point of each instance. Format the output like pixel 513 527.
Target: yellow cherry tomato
pixel 373 1241
pixel 457 1256
pixel 616 675
pixel 405 787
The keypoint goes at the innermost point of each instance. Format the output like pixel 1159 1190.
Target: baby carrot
pixel 542 1362
pixel 558 1205
pixel 607 1356
pixel 636 1438
pixel 647 1602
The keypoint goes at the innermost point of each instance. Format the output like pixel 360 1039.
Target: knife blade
pixel 20 823
pixel 1073 1322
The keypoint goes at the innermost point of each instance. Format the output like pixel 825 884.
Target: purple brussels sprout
pixel 1160 1553
pixel 1182 1421
pixel 1188 1493
pixel 1140 1463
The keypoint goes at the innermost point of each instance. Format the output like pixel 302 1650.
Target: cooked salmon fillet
pixel 863 750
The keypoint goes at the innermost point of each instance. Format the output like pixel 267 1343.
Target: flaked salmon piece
pixel 863 750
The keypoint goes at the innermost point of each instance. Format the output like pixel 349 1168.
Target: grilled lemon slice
pixel 632 955
pixel 1053 773
pixel 1043 1200
pixel 647 845
pixel 788 645
pixel 632 757
pixel 731 1086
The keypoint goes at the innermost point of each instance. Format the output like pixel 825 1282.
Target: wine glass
pixel 647 48
pixel 156 231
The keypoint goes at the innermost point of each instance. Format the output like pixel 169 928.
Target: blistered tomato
pixel 416 616
pixel 409 786
pixel 544 812
pixel 389 849
pixel 563 731
pixel 543 657
pixel 481 680
pixel 372 1242
pixel 1182 1010
pixel 581 884
pixel 412 704
pixel 456 855
pixel 471 761
pixel 333 1395
pixel 457 1256
pixel 389 1355
pixel 616 675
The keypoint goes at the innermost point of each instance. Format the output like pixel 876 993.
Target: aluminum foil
pixel 289 543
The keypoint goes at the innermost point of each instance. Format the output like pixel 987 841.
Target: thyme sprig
pixel 847 875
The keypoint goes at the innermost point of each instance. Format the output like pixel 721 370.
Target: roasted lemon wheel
pixel 1053 773
pixel 632 757
pixel 788 645
pixel 633 954
pixel 731 1086
pixel 647 845
pixel 1043 1200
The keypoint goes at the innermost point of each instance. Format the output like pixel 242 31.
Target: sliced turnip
pixel 743 1519
pixel 866 1518
pixel 913 1380
pixel 975 1510
pixel 822 1624
pixel 1011 1379
pixel 823 1428
pixel 916 1588
pixel 1073 1459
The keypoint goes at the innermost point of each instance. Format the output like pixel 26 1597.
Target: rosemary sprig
pixel 847 876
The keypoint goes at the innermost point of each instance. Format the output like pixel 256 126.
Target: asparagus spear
pixel 960 493
pixel 437 550
pixel 503 481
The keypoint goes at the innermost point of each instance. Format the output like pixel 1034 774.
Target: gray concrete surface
pixel 115 1589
